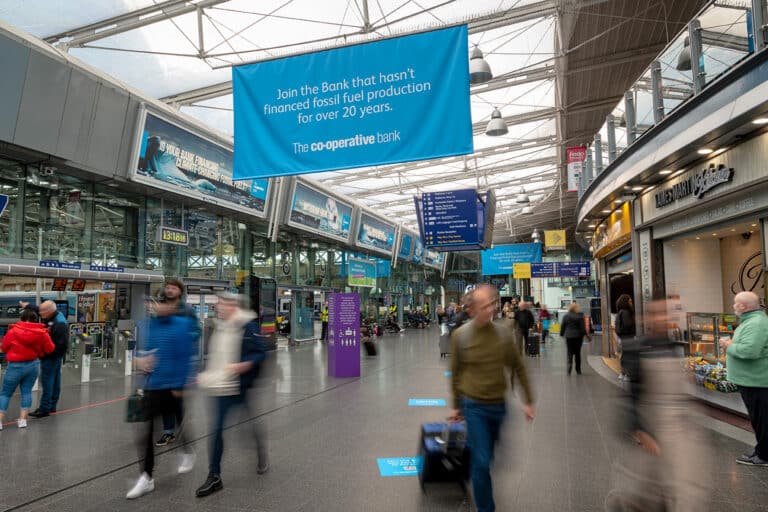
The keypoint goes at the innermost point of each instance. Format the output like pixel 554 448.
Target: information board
pixel 373 103
pixel 543 270
pixel 451 218
pixel 320 213
pixel 344 335
pixel 574 269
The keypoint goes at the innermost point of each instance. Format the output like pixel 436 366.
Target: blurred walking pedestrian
pixel 573 329
pixel 237 352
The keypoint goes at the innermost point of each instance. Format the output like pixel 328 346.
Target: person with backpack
pixel 24 344
pixel 483 351
pixel 236 354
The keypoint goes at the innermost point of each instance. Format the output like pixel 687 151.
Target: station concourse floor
pixel 326 434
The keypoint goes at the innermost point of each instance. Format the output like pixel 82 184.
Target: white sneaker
pixel 21 423
pixel 186 462
pixel 143 486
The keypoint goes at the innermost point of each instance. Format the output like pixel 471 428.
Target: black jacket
pixel 524 319
pixel 59 331
pixel 572 325
pixel 254 350
pixel 625 323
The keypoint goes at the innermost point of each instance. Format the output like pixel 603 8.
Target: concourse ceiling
pixel 559 66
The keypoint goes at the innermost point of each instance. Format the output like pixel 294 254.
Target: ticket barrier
pixel 84 350
pixel 126 344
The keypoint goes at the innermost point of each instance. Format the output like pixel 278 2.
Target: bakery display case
pixel 706 330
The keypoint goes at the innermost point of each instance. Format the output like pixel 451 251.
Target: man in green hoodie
pixel 747 360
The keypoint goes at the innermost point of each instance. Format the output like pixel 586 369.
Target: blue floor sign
pixel 399 466
pixel 447 374
pixel 426 402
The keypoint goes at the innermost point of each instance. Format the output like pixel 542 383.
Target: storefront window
pixel 202 261
pixel 11 221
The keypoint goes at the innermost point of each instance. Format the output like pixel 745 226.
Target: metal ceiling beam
pixel 727 41
pixel 511 79
pixel 514 15
pixel 527 117
pixel 399 170
pixel 614 59
pixel 462 173
pixel 161 11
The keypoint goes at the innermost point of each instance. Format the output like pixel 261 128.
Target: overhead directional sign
pixel 574 269
pixel 554 240
pixel 450 218
pixel 543 269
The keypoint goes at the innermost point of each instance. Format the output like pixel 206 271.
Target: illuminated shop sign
pixel 697 184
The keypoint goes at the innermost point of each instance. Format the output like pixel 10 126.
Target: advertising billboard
pixel 362 273
pixel 375 234
pixel 320 213
pixel 406 246
pixel 372 103
pixel 169 157
pixel 501 259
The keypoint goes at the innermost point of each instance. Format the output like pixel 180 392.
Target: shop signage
pixel 172 158
pixel 617 232
pixel 575 156
pixel 376 234
pixel 173 236
pixel 320 213
pixel 105 268
pixel 59 264
pixel 697 184
pixel 554 240
pixel 366 104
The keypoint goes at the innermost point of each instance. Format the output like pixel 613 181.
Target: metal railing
pixel 721 36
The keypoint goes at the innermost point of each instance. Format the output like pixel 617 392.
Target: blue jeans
pixel 21 375
pixel 483 426
pixel 50 379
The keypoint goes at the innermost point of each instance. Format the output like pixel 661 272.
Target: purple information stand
pixel 344 335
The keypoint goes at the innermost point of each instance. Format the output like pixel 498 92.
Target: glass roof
pixel 171 47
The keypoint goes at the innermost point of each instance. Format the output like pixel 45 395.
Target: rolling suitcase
pixel 370 347
pixel 445 344
pixel 444 454
pixel 532 345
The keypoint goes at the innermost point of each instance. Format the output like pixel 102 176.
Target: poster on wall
pixel 86 308
pixel 105 307
pixel 169 157
pixel 575 157
pixel 373 103
pixel 362 273
pixel 318 212
pixel 376 234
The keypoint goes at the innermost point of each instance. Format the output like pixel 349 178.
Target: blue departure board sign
pixel 544 269
pixel 574 269
pixel 452 218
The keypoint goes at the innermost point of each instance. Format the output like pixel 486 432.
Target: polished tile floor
pixel 326 434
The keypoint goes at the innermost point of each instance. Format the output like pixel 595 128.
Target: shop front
pixel 701 242
pixel 612 249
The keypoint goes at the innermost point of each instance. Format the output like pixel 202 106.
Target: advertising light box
pixel 375 234
pixel 320 213
pixel 406 246
pixel 418 250
pixel 362 273
pixel 372 103
pixel 168 157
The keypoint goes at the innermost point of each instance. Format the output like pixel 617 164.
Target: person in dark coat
pixel 573 329
pixel 624 325
pixel 525 320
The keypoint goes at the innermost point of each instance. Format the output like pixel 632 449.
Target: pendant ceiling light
pixel 479 70
pixel 496 126
pixel 522 197
pixel 684 59
pixel 526 211
pixel 535 236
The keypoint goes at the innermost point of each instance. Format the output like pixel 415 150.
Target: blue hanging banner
pixel 373 103
pixel 500 259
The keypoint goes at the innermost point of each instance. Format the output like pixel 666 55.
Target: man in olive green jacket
pixel 482 351
pixel 747 362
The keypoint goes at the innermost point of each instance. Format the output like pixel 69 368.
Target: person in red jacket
pixel 24 343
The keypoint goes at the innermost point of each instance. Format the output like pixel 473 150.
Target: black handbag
pixel 136 408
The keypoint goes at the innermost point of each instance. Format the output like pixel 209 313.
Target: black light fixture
pixel 684 59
